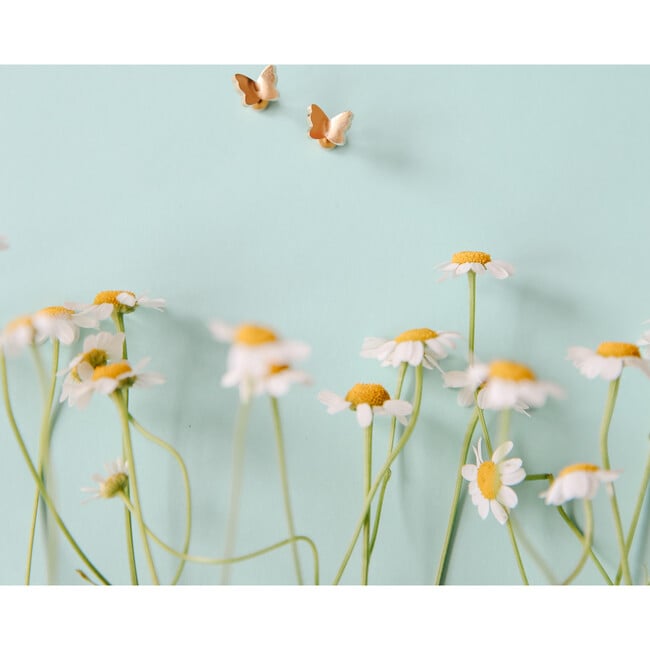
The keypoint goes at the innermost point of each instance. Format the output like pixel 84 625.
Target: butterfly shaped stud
pixel 258 93
pixel 328 132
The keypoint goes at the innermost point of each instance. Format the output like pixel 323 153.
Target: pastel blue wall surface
pixel 157 180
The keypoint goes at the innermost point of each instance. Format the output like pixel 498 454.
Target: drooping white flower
pixel 63 323
pixel 477 261
pixel 123 302
pixel 608 360
pixel 490 481
pixel 579 481
pixel 416 347
pixel 17 335
pixel 367 400
pixel 501 385
pixel 278 380
pixel 110 486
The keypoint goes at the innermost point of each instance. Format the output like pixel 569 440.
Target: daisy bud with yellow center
pixel 17 335
pixel 490 481
pixel 366 400
pixel 422 346
pixel 579 481
pixel 279 379
pixel 63 323
pixel 476 261
pixel 112 485
pixel 608 360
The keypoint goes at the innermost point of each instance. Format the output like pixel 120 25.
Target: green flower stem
pixel 539 477
pixel 367 477
pixel 232 560
pixel 133 481
pixel 186 485
pixel 239 439
pixel 384 468
pixel 43 459
pixel 118 318
pixel 40 370
pixel 486 434
pixel 285 485
pixel 393 425
pixel 471 277
pixel 637 513
pixel 36 476
pixel 525 543
pixel 504 425
pixel 604 431
pixel 588 539
pixel 446 545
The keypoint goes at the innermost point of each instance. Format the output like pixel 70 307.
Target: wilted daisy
pixel 608 360
pixel 417 346
pixel 366 400
pixel 110 486
pixel 501 385
pixel 490 481
pixel 278 380
pixel 63 323
pixel 108 378
pixel 579 481
pixel 17 335
pixel 477 261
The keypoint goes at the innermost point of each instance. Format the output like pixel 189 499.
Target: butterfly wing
pixel 266 84
pixel 248 89
pixel 318 121
pixel 338 125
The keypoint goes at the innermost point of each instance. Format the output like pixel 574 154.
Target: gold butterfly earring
pixel 258 93
pixel 329 132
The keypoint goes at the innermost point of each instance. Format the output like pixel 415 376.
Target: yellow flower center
pixel 57 312
pixel 613 349
pixel 274 370
pixel 23 321
pixel 579 467
pixel 110 297
pixel 372 394
pixel 488 479
pixel 511 371
pixel 420 334
pixel 476 257
pixel 249 334
pixel 111 371
pixel 94 358
pixel 113 485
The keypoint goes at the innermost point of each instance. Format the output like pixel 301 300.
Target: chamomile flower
pixel 112 485
pixel 501 385
pixel 126 301
pixel 490 481
pixel 367 400
pixel 477 261
pixel 608 360
pixel 106 379
pixel 416 347
pixel 579 481
pixel 17 335
pixel 278 380
pixel 63 323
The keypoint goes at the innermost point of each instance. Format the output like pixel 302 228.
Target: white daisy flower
pixel 278 381
pixel 4 244
pixel 17 335
pixel 110 486
pixel 367 400
pixel 490 481
pixel 98 350
pixel 123 302
pixel 477 261
pixel 501 385
pixel 63 323
pixel 608 360
pixel 579 481
pixel 107 379
pixel 419 346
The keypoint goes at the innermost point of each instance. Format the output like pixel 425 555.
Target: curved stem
pixel 588 539
pixel 534 554
pixel 236 484
pixel 199 559
pixel 380 505
pixel 604 451
pixel 637 513
pixel 384 468
pixel 43 457
pixel 446 545
pixel 367 475
pixel 486 433
pixel 285 485
pixel 471 277
pixel 398 393
pixel 504 425
pixel 36 475
pixel 133 481
pixel 186 485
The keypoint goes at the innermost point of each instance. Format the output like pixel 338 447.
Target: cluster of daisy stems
pixel 259 364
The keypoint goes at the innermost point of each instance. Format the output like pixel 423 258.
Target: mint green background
pixel 156 179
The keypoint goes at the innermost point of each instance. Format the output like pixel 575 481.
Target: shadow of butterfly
pixel 328 132
pixel 258 93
